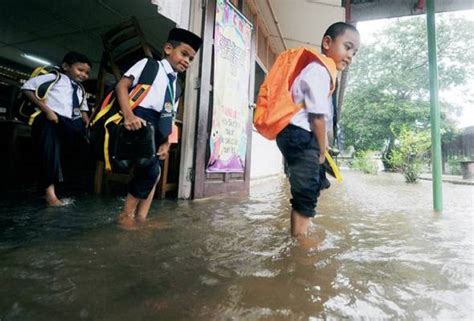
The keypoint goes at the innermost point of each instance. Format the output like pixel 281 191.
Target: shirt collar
pixel 72 81
pixel 167 67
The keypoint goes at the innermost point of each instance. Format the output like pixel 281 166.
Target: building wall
pixel 266 158
pixel 313 18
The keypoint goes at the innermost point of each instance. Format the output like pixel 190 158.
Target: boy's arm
pixel 50 114
pixel 131 122
pixel 318 126
pixel 163 150
pixel 315 83
pixel 85 118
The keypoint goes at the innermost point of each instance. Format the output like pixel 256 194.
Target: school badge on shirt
pixel 168 107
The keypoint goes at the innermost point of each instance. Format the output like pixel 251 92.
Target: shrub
pixel 365 161
pixel 454 165
pixel 408 154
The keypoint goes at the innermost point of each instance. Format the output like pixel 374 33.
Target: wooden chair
pixel 169 182
pixel 124 45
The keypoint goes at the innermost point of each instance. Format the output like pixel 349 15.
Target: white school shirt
pixel 312 87
pixel 155 98
pixel 59 98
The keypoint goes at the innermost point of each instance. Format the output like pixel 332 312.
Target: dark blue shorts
pixel 145 177
pixel 301 152
pixel 49 140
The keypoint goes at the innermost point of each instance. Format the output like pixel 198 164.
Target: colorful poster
pixel 232 45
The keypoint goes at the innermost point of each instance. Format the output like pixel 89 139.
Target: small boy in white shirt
pixel 63 117
pixel 157 109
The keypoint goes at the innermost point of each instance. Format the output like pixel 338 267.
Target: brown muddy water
pixel 377 252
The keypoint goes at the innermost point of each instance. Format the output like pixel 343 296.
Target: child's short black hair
pixel 338 28
pixel 174 43
pixel 72 57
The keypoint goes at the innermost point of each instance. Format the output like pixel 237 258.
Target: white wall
pixel 303 22
pixel 266 158
pixel 176 10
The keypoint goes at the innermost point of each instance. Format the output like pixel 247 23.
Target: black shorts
pixel 301 151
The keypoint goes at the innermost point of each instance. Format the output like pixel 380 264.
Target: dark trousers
pixel 301 151
pixel 145 177
pixel 49 139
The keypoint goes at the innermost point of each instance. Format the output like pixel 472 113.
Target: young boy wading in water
pixel 62 120
pixel 156 109
pixel 304 141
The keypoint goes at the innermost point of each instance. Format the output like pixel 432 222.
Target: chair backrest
pixel 124 45
pixel 124 42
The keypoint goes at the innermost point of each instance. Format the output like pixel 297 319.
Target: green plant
pixel 454 165
pixel 408 154
pixel 365 161
pixel 389 82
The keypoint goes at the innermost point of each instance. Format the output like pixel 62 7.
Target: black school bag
pixel 106 131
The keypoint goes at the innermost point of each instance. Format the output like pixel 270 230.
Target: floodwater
pixel 376 251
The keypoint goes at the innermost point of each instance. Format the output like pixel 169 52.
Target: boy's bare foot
pixel 54 201
pixel 51 198
pixel 299 224
pixel 127 222
pixel 140 219
pixel 311 242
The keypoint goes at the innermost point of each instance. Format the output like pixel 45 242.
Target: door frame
pixel 209 184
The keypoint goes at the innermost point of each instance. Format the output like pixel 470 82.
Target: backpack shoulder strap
pixel 179 91
pixel 149 72
pixel 145 81
pixel 43 90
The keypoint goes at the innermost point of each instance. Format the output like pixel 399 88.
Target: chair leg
pixel 164 178
pixel 99 177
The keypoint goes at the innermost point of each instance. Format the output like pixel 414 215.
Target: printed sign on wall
pixel 232 43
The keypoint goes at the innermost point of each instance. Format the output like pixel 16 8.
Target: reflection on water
pixel 376 251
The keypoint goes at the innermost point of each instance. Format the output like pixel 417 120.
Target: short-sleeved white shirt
pixel 59 98
pixel 312 87
pixel 155 98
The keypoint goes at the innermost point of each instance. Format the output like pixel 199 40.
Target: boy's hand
pixel 163 151
pixel 85 119
pixel 51 116
pixel 133 122
pixel 322 158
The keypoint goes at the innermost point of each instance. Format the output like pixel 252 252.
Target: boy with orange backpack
pixel 295 107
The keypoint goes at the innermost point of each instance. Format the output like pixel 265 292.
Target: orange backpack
pixel 275 105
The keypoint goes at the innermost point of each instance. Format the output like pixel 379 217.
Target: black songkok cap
pixel 185 36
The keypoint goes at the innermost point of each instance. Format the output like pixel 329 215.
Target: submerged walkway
pixel 377 252
pixel 454 179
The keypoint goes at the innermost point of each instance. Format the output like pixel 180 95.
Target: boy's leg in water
pixel 126 217
pixel 146 179
pixel 51 198
pixel 300 150
pixel 144 207
pixel 47 145
pixel 141 192
pixel 299 224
